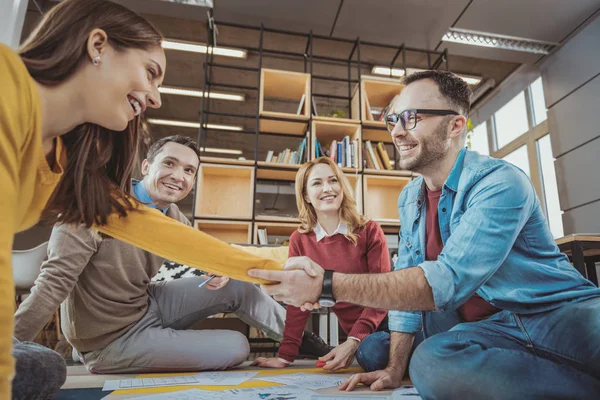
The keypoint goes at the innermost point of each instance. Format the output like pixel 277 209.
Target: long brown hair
pixel 100 161
pixel 348 212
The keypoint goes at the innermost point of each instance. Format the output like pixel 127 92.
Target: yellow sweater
pixel 28 182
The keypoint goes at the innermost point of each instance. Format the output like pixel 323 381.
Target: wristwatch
pixel 326 299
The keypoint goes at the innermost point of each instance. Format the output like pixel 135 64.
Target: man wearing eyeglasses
pixel 499 312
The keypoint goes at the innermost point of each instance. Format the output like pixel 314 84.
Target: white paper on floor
pixel 224 378
pixel 269 393
pixel 349 397
pixel 308 381
pixel 406 392
pixel 200 379
pixel 138 383
pixel 191 394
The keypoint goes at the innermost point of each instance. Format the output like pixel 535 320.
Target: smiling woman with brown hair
pixel 333 231
pixel 69 129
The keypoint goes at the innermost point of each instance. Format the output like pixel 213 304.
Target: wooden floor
pixel 79 377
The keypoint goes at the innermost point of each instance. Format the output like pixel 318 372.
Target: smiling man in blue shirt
pixel 501 313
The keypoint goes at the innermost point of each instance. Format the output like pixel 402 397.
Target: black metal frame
pixel 353 61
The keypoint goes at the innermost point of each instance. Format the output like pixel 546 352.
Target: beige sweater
pixel 101 282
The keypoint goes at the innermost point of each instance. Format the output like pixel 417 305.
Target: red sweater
pixel 338 253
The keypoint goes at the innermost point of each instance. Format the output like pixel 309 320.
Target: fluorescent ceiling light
pixel 386 71
pixel 470 79
pixel 200 93
pixel 220 151
pixel 188 124
pixel 486 39
pixel 202 48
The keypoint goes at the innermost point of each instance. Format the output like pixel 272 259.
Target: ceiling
pixel 416 23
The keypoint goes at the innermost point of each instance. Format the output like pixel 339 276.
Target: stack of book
pixel 288 156
pixel 344 153
pixel 377 156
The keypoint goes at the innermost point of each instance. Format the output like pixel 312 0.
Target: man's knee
pixel 432 370
pixel 239 349
pixel 40 372
pixel 373 351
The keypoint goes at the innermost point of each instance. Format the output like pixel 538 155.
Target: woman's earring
pixel 96 60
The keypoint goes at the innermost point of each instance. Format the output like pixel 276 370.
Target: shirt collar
pixel 454 176
pixel 342 229
pixel 140 192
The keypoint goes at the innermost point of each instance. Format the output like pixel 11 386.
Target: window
pixel 479 139
pixel 538 102
pixel 519 158
pixel 511 121
pixel 521 137
pixel 550 188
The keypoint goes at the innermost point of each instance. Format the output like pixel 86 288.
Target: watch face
pixel 326 302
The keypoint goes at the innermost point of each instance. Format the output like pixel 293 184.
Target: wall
pixel 571 79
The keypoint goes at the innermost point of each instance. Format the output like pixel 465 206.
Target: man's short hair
pixel 453 89
pixel 158 145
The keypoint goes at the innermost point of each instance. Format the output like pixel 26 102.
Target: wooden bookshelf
pixel 375 92
pixel 388 172
pixel 275 229
pixel 224 191
pixel 275 218
pixel 381 197
pixel 286 85
pixel 284 172
pixel 325 132
pixel 222 160
pixel 356 184
pixel 227 231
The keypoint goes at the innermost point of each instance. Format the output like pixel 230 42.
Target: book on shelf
pixel 344 152
pixel 372 155
pixel 269 156
pixel 314 106
pixel 262 236
pixel 385 157
pixel 301 105
pixel 367 157
pixel 288 156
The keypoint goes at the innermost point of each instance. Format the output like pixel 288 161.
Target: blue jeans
pixel 551 355
pixel 373 352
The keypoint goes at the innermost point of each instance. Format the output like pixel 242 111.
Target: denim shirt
pixel 497 243
pixel 142 195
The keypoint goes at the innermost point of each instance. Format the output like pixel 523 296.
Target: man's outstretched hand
pixel 299 284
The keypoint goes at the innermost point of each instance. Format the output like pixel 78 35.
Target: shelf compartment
pixel 227 231
pixel 376 131
pixel 275 229
pixel 375 92
pixel 326 132
pixel 381 197
pixel 293 125
pixel 228 161
pixel 277 84
pixel 278 172
pixel 224 191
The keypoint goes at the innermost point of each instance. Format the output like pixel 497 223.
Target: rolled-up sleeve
pixel 497 209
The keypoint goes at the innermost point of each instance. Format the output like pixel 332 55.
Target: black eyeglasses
pixel 408 118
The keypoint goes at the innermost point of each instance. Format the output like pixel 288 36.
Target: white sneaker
pixel 75 355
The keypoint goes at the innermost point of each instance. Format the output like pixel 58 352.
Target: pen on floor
pixel 206 281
